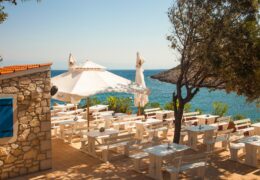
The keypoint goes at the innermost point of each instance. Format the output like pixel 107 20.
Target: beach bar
pixel 25 133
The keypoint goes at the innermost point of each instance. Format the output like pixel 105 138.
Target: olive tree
pixel 219 45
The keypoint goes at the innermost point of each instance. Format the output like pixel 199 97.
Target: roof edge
pixel 22 71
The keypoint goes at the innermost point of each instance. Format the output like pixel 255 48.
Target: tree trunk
pixel 178 117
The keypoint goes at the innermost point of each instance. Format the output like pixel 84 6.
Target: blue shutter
pixel 6 117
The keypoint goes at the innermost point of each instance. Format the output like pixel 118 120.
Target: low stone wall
pixel 31 151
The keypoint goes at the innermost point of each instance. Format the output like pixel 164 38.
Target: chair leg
pixel 129 130
pixel 150 135
pixel 126 151
pixel 164 134
pixel 210 147
pixel 70 138
pixel 137 164
pixel 244 150
pixel 105 155
pixel 201 172
pixel 234 154
pixel 224 144
pixel 182 139
pixel 174 176
pixel 251 133
pixel 82 144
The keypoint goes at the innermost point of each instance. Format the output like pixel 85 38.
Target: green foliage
pixel 187 107
pixel 124 105
pixel 112 102
pixel 224 49
pixel 119 104
pixel 94 101
pixel 199 110
pixel 152 105
pixel 238 117
pixel 219 108
pixel 219 46
pixel 3 15
pixel 168 106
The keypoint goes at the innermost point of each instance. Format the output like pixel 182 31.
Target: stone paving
pixel 70 163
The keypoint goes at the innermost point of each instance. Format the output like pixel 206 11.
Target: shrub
pixel 198 110
pixel 239 116
pixel 219 108
pixel 168 106
pixel 124 105
pixel 119 104
pixel 94 101
pixel 187 107
pixel 112 102
pixel 149 105
pixel 153 105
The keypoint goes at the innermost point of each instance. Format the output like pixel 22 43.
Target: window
pixel 6 117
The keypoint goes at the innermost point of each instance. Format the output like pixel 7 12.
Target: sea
pixel 162 93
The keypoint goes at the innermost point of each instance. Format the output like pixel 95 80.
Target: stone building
pixel 25 129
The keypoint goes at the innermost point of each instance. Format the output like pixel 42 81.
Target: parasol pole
pixel 139 109
pixel 88 114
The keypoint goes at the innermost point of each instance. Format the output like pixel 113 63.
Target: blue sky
pixel 107 32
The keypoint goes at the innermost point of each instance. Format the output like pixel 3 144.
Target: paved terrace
pixel 70 163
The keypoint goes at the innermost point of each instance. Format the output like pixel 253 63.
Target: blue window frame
pixel 6 117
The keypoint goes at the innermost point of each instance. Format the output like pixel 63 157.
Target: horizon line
pixel 110 69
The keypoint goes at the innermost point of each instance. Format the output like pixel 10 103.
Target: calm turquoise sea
pixel 162 92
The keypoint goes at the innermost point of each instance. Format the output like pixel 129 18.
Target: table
pixel 140 126
pixel 221 125
pixel 64 113
pixel 120 114
pixel 108 118
pixel 101 114
pixel 209 119
pixel 252 146
pixel 64 107
pixel 257 128
pixel 93 135
pixel 98 107
pixel 68 121
pixel 193 132
pixel 118 125
pixel 165 114
pixel 156 155
pixel 63 123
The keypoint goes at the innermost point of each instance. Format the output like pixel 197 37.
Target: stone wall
pixel 31 151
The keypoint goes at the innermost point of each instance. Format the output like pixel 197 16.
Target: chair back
pixel 197 157
pixel 224 134
pixel 223 119
pixel 191 114
pixel 176 162
pixel 201 121
pixel 211 121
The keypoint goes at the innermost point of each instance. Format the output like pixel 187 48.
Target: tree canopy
pixel 218 40
pixel 3 15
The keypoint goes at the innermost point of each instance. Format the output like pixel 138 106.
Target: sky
pixel 106 32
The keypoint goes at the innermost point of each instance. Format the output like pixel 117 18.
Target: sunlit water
pixel 162 93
